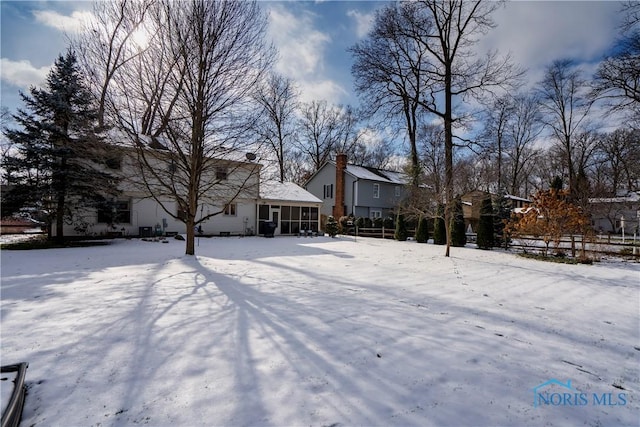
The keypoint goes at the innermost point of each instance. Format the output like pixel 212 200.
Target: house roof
pixel 380 175
pixel 512 197
pixel 630 197
pixel 286 191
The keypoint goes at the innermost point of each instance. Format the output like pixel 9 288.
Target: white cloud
pixel 537 33
pixel 22 73
pixel 364 21
pixel 71 24
pixel 302 49
pixel 301 46
pixel 328 90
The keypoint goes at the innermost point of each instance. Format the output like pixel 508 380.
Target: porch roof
pixel 286 192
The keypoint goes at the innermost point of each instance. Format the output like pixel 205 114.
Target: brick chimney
pixel 341 166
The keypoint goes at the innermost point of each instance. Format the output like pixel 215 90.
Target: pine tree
pixel 331 227
pixel 458 230
pixel 485 226
pixel 401 229
pixel 502 210
pixel 422 233
pixel 56 165
pixel 439 230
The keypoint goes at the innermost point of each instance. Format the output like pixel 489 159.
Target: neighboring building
pixel 18 225
pixel 472 202
pixel 346 189
pixel 610 214
pixel 139 214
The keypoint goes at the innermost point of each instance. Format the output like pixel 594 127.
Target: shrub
pixel 331 227
pixel 458 230
pixel 378 222
pixel 344 222
pixel 422 233
pixel 439 230
pixel 550 217
pixel 485 226
pixel 502 215
pixel 401 229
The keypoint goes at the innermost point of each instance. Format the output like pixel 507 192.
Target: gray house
pixel 362 191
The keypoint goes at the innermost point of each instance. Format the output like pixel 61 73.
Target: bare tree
pixel 276 124
pixel 388 72
pixel 495 125
pixel 108 42
pixel 617 162
pixel 565 105
pixel 318 132
pixel 375 152
pixel 617 80
pixel 432 158
pixel 184 103
pixel 523 129
pixel 449 31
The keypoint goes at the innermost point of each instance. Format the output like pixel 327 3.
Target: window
pixel 118 212
pixel 397 191
pixel 374 213
pixel 221 173
pixel 181 214
pixel 263 213
pixel 376 191
pixel 230 209
pixel 328 191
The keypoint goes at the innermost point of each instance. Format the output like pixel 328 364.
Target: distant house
pixel 610 214
pixel 346 189
pixel 18 225
pixel 472 202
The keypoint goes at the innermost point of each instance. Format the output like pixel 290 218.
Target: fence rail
pixel 380 233
pixel 570 244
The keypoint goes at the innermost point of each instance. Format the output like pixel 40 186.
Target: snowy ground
pixel 319 332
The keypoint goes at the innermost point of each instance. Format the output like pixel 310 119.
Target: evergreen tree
pixel 485 226
pixel 458 230
pixel 439 230
pixel 401 229
pixel 556 184
pixel 56 165
pixel 502 215
pixel 422 233
pixel 331 227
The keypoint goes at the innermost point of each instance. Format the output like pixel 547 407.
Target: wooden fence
pixel 570 244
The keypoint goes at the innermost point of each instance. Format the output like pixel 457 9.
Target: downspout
pixel 353 196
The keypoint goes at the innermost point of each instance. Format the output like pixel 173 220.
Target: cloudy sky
pixel 313 38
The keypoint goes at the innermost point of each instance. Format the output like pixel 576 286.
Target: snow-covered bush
pixel 331 227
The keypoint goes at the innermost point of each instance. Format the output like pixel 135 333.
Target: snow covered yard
pixel 322 332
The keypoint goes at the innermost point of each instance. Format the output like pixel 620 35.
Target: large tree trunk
pixel 191 233
pixel 60 217
pixel 448 156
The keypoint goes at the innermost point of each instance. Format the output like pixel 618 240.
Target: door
pixel 275 217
